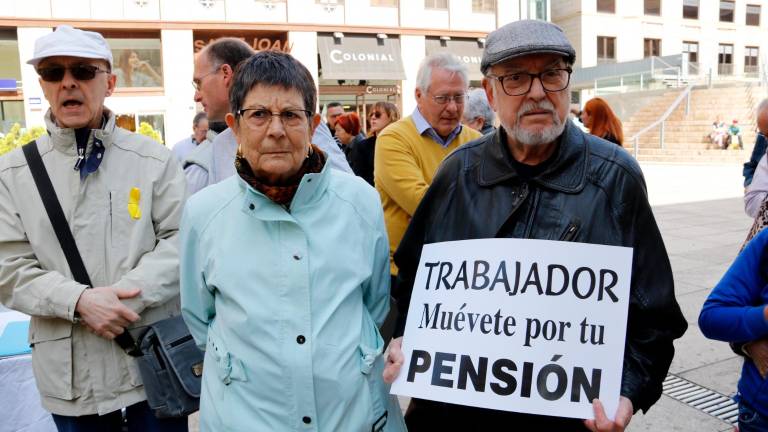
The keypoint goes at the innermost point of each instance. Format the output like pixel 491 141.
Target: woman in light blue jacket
pixel 285 274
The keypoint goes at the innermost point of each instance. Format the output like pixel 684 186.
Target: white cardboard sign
pixel 532 326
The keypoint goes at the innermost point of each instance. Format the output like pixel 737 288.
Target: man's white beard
pixel 542 137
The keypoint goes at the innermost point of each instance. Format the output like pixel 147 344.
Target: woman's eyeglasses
pixel 376 114
pixel 81 72
pixel 260 117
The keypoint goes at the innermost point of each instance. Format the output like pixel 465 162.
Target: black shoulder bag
pixel 170 363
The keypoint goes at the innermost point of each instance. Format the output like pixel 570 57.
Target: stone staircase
pixel 686 138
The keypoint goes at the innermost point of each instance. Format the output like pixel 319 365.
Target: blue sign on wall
pixel 7 84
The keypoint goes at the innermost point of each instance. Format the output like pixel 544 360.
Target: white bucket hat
pixel 71 42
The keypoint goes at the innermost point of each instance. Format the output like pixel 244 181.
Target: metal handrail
pixel 686 94
pixel 653 75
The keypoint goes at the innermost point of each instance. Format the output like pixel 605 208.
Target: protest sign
pixel 532 326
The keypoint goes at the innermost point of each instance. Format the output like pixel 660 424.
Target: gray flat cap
pixel 525 37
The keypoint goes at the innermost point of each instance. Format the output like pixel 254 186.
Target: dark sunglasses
pixel 81 72
pixel 376 114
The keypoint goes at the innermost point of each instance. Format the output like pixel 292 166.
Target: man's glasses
pixel 444 99
pixel 376 114
pixel 518 84
pixel 258 117
pixel 197 82
pixel 81 72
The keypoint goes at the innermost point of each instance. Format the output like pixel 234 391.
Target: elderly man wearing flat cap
pixel 122 195
pixel 539 177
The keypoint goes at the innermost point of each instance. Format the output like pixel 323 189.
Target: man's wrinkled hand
pixel 102 312
pixel 394 361
pixel 601 423
pixel 758 352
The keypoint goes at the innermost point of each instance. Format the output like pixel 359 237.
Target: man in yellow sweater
pixel 409 151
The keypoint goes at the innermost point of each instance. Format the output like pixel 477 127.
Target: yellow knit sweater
pixel 404 165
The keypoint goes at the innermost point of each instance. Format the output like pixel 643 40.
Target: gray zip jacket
pixel 78 372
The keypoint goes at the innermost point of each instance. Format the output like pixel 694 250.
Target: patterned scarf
pixel 283 193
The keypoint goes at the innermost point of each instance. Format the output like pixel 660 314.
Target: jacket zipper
pixel 570 231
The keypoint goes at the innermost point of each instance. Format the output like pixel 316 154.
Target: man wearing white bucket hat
pixel 122 195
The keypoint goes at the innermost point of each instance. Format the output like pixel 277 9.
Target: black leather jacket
pixel 593 192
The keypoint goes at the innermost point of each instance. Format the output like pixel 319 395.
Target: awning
pixel 359 57
pixel 470 51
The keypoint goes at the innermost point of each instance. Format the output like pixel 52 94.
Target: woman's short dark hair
pixel 272 68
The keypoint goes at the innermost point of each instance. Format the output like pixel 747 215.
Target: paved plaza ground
pixel 700 212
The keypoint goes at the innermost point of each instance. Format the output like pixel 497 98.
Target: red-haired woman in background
pixel 599 118
pixel 348 131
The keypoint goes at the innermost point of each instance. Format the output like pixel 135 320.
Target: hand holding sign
pixel 395 359
pixel 601 423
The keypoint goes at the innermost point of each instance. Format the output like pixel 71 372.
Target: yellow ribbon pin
pixel 133 203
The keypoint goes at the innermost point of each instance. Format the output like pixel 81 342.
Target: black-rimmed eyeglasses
pixel 520 83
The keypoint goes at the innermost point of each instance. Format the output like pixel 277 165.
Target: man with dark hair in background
pixel 215 65
pixel 334 111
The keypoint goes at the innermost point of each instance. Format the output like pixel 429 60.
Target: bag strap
pixel 55 213
pixel 61 228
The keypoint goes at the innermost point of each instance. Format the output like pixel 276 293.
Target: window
pixel 10 67
pixel 726 10
pixel 11 112
pixel 692 48
pixel 137 59
pixel 691 9
pixel 537 9
pixel 652 7
pixel 151 125
pixel 484 6
pixel 753 15
pixel 11 103
pixel 606 49
pixel 330 3
pixel 384 3
pixel 651 47
pixel 435 4
pixel 725 59
pixel 606 6
pixel 750 60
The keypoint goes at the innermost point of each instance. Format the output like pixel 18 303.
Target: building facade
pixel 359 51
pixel 722 37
